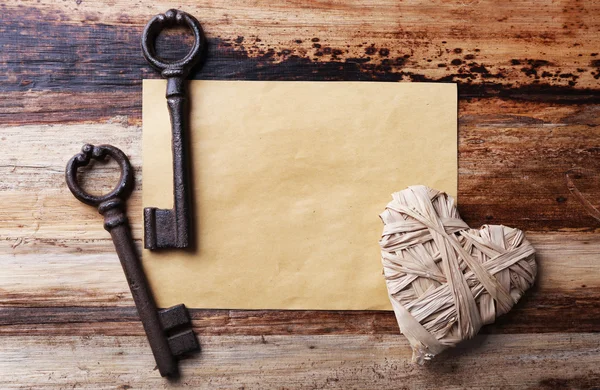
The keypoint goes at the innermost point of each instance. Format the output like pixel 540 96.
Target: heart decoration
pixel 444 279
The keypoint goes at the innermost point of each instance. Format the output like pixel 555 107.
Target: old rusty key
pixel 172 228
pixel 168 330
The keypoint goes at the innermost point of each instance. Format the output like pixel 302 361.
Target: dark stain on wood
pixel 519 185
pixel 55 70
pixel 582 382
pixel 39 54
pixel 536 312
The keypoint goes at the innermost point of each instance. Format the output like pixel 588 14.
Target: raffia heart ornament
pixel 444 279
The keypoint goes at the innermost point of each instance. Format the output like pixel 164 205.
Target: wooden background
pixel 71 72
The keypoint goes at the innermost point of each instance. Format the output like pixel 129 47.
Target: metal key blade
pixel 158 325
pixel 116 223
pixel 171 228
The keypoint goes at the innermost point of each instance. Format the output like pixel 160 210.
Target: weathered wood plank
pixel 47 107
pixel 566 261
pixel 513 158
pixel 537 51
pixel 493 168
pixel 540 312
pixel 83 291
pixel 298 362
pixel 50 221
pixel 535 63
pixel 513 164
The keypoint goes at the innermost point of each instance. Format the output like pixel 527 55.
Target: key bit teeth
pixel 173 319
pixel 174 316
pixel 160 229
pixel 183 343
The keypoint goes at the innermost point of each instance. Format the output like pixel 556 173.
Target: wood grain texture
pixel 542 51
pixel 326 362
pixel 529 99
pixel 512 166
pixel 560 311
pixel 85 287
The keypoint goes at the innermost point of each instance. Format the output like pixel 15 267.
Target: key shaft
pixel 169 331
pixel 115 222
pixel 172 228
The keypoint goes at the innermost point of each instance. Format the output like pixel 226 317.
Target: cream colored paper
pixel 289 181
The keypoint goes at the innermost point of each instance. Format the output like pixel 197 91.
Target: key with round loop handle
pixel 169 330
pixel 171 228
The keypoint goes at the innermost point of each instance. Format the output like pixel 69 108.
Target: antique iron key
pixel 169 330
pixel 172 228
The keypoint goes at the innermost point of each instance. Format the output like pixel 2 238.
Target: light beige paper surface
pixel 289 181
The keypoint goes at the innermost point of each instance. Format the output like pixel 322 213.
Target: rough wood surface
pixel 548 361
pixel 535 51
pixel 71 71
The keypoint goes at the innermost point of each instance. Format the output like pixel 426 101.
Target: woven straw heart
pixel 444 279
